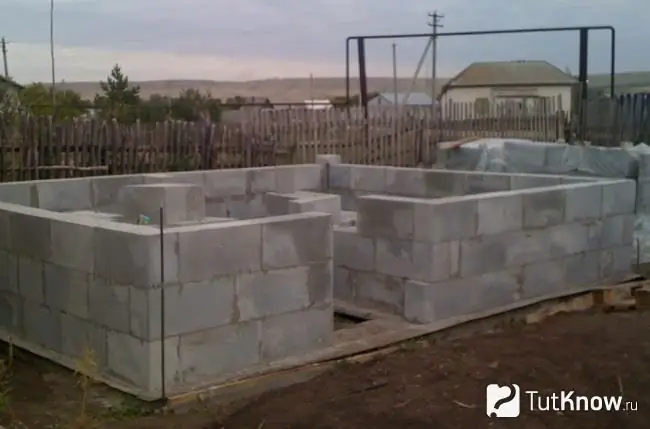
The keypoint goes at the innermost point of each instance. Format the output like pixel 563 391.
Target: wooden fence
pixel 623 119
pixel 37 148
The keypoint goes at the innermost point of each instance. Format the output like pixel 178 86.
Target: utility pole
pixel 3 42
pixel 435 25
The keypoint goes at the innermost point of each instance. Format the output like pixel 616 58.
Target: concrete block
pixel 144 312
pixel 292 178
pixel 11 312
pixel 528 181
pixel 73 245
pixel 180 202
pixel 483 254
pixel 197 306
pixel 260 180
pixel 616 263
pixel 643 196
pixel 481 182
pixel 328 159
pixel 619 197
pixel 526 247
pixel 295 333
pixel 394 257
pixel 609 231
pixel 22 194
pixel 5 235
pixel 82 336
pixel 318 203
pixel 220 249
pixel 342 288
pixel 195 178
pixel 440 183
pixel 42 325
pixel 30 279
pixel 643 165
pixel 447 219
pixel 544 278
pixel 109 304
pixel 138 362
pixel 568 239
pixel 352 250
pixel 269 293
pixel 225 183
pixel 30 234
pixel 295 240
pixel 426 302
pixel 8 272
pixel 219 351
pixel 378 290
pixel 340 176
pixel 544 207
pixel 66 290
pixel 277 204
pixel 529 157
pixel 368 178
pixel 406 182
pixel 105 190
pixel 127 258
pixel 583 202
pixel 386 216
pixel 418 261
pixel 64 194
pixel 582 269
pixel 499 213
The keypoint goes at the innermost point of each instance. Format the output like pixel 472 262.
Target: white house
pixel 318 104
pixel 415 99
pixel 513 85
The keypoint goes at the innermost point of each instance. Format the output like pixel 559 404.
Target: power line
pixel 3 42
pixel 435 25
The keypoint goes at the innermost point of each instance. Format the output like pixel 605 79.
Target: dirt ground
pixel 425 385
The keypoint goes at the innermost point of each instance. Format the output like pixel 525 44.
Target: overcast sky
pixel 255 39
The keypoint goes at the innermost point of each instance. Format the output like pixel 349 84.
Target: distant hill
pixel 294 90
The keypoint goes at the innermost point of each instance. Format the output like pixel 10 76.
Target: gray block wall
pixel 429 259
pixel 238 295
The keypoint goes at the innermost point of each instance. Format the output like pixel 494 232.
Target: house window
pixel 481 106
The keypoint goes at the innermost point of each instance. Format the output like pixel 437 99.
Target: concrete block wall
pixel 238 295
pixel 351 181
pixel 430 259
pixel 234 193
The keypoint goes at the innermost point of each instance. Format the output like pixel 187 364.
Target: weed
pixel 85 369
pixel 5 376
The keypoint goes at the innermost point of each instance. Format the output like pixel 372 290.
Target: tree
pixel 37 99
pixel 119 100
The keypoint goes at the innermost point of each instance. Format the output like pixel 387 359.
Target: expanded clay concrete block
pixel 80 336
pixel 529 157
pixel 583 202
pixel 328 159
pixel 318 203
pixel 446 219
pixel 109 304
pixel 202 355
pixel 73 245
pixel 296 240
pixel 64 194
pixel 197 306
pixel 221 249
pixel 498 213
pixel 66 290
pixel 527 181
pixel 11 311
pixel 105 190
pixel 260 180
pixel 5 235
pixel 277 204
pixel 340 176
pixel 616 262
pixel 582 269
pixel 352 250
pixel 291 178
pixel 30 279
pixel 378 290
pixel 544 278
pixel 30 233
pixel 421 183
pixel 619 197
pixel 293 333
pixel 427 302
pixel 386 216
pixel 368 178
pixel 269 293
pixel 180 202
pixel 481 182
pixel 8 273
pixel 544 207
pixel 42 325
pixel 23 194
pixel 418 261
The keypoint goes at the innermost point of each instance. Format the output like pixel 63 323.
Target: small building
pixel 318 104
pixel 415 99
pixel 513 85
pixel 7 84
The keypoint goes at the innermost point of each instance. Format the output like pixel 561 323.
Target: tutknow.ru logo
pixel 506 401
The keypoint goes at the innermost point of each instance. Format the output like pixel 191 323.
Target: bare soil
pixel 425 385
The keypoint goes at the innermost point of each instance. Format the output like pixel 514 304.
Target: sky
pixel 258 39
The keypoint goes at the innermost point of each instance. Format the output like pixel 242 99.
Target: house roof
pixel 10 82
pixel 511 73
pixel 415 99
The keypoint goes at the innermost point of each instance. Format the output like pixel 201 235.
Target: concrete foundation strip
pixel 288 372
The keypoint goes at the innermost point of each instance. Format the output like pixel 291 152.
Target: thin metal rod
pixel 395 100
pixel 163 383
